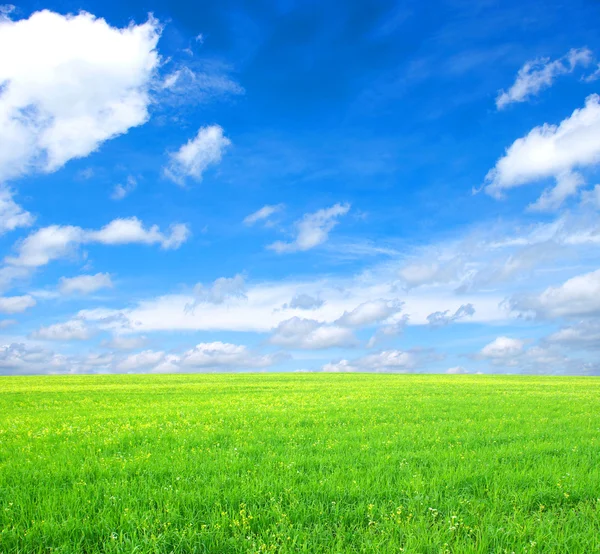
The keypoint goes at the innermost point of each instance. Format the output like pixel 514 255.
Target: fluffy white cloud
pixel 303 302
pixel 85 284
pixel 370 312
pixel 70 83
pixel 197 154
pixel 222 289
pixel 576 297
pixel 57 241
pixel 142 361
pixel 263 214
pixel 119 342
pixel 312 230
pixel 12 215
pixel 551 151
pixel 457 370
pixel 567 184
pixel 17 358
pixel 211 356
pixel 386 361
pixel 503 349
pixel 122 190
pixel 585 334
pixel 16 304
pixel 76 329
pixel 132 230
pixel 539 74
pixel 310 334
pixel 441 319
pixel 224 355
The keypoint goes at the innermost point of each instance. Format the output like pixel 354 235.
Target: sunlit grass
pixel 299 463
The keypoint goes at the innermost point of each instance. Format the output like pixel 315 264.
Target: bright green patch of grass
pixel 299 463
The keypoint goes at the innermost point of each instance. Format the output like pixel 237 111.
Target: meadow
pixel 299 463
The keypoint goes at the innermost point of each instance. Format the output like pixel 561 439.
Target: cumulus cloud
pixel 263 214
pixel 390 329
pixel 503 350
pixel 369 313
pixel 576 297
pixel 18 358
pixel 58 241
pixel 142 361
pixel 85 284
pixel 12 215
pixel 386 361
pixel 585 334
pixel 222 290
pixel 312 230
pixel 16 304
pixel 120 342
pixel 197 154
pixel 539 74
pixel 122 190
pixel 456 370
pixel 304 302
pixel 551 151
pixel 211 356
pixel 75 329
pixel 71 83
pixel 310 334
pixel 441 319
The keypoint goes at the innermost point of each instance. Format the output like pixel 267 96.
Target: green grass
pixel 299 463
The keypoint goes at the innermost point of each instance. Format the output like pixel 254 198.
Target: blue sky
pixel 299 186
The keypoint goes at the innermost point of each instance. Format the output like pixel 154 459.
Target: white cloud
pixel 212 356
pixel 310 334
pixel 441 319
pixel 56 241
pixel 303 302
pixel 576 297
pixel 539 74
pixel 263 214
pixel 457 370
pixel 70 83
pixel 132 230
pixel 369 312
pixel 17 358
pixel 313 229
pixel 85 284
pixel 119 342
pixel 591 197
pixel 567 184
pixel 47 244
pixel 502 349
pixel 143 361
pixel 5 323
pixel 12 215
pixel 222 289
pixel 121 191
pixel 224 355
pixel 551 151
pixel 187 85
pixel 194 157
pixel 386 361
pixel 75 329
pixel 16 304
pixel 585 334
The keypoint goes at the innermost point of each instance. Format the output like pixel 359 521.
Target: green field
pixel 299 463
